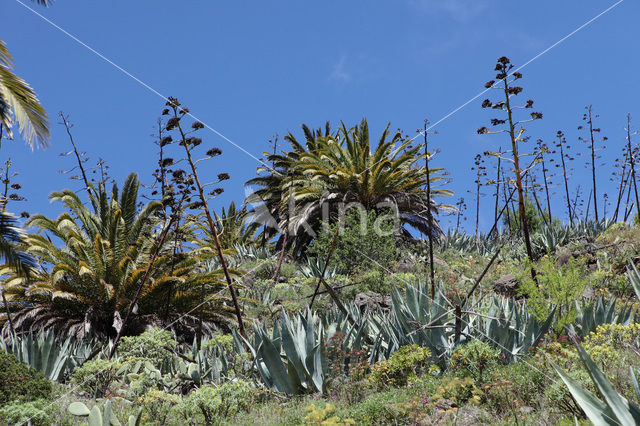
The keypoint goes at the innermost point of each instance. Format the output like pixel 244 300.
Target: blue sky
pixel 254 69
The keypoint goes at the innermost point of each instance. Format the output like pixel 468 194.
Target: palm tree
pixel 19 103
pixel 345 168
pixel 233 228
pixel 89 277
pixel 270 199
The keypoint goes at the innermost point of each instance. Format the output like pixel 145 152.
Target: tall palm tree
pixel 345 168
pixel 19 103
pixel 92 269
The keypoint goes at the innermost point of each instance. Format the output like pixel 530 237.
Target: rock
pixel 564 258
pixel 506 285
pixel 526 409
pixel 441 263
pixel 371 301
pixel 405 266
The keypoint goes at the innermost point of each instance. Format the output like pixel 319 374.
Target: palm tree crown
pixel 343 167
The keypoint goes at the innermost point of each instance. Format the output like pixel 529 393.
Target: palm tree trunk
pixel 6 307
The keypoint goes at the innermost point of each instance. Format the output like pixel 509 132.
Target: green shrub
pixel 20 382
pixel 535 221
pixel 150 345
pixel 358 248
pixel 376 280
pixel 218 402
pixel 36 412
pixel 556 393
pixel 380 408
pixel 557 286
pixel 402 367
pixel 514 385
pixel 158 405
pixel 95 376
pixel 474 358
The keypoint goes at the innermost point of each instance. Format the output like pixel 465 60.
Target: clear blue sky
pixel 254 69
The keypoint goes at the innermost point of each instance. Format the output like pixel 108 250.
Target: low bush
pixel 325 415
pixel 155 345
pixel 211 402
pixel 34 413
pixel 455 392
pixel 95 376
pixel 403 366
pixel 20 382
pixel 473 358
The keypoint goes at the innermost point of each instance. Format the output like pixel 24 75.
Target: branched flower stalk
pixel 515 131
pixel 561 144
pixel 621 163
pixel 460 208
pixel 631 153
pixel 543 150
pixel 478 166
pixel 427 157
pixel 589 118
pixel 189 143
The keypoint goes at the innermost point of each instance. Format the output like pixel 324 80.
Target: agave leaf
pixel 617 403
pixel 274 364
pixel 634 382
pixel 634 279
pixel 596 410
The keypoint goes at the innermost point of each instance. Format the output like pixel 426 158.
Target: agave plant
pixel 554 236
pixel 507 325
pixel 292 359
pixel 43 351
pixel 414 319
pixel 549 239
pixel 313 269
pixel 613 408
pixel 481 244
pixel 591 314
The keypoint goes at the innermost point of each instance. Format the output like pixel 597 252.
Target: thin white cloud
pixel 339 72
pixel 459 10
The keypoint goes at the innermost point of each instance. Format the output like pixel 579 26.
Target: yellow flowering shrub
pixel 605 343
pixel 317 415
pixel 456 392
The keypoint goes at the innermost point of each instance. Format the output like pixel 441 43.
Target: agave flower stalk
pixel 632 163
pixel 188 144
pixel 623 181
pixel 427 157
pixel 515 131
pixel 495 208
pixel 561 143
pixel 588 118
pixel 480 172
